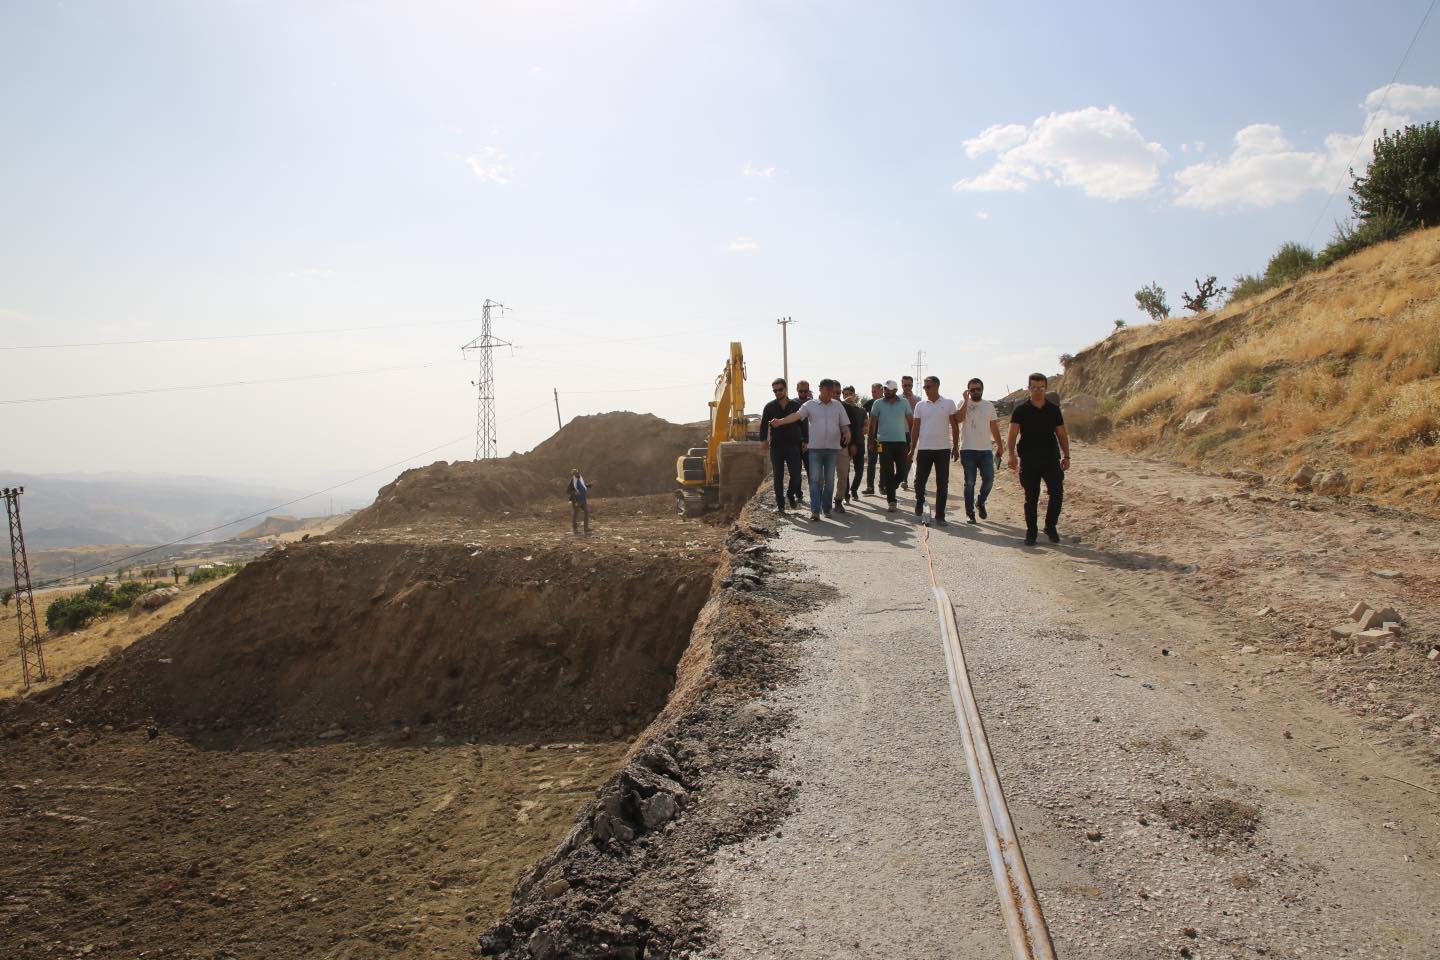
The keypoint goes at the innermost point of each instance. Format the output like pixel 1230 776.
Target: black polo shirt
pixel 1037 431
pixel 790 435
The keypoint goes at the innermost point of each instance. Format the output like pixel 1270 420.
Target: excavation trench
pixel 357 637
pixel 352 749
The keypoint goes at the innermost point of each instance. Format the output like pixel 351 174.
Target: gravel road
pixel 1170 802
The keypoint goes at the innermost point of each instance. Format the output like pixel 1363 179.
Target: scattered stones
pixel 1385 574
pixel 1344 631
pixel 1331 483
pixel 1302 478
pixel 1266 611
pixel 1249 648
pixel 1369 619
pixel 1358 611
pixel 1196 419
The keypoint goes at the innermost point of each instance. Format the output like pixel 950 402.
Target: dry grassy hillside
pixel 1339 370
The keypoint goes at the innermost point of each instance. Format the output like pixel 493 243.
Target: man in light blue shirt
pixel 890 418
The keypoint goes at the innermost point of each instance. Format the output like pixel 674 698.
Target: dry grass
pixel 66 653
pixel 1340 368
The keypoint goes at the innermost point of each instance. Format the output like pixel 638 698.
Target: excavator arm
pixel 699 472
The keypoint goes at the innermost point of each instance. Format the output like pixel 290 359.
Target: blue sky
pixel 988 183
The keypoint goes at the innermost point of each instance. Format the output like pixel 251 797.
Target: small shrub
pixel 1291 262
pixel 1246 285
pixel 1205 291
pixel 1151 300
pixel 1351 238
pixel 74 611
pixel 1120 324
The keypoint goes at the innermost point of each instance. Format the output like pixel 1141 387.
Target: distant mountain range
pixel 75 509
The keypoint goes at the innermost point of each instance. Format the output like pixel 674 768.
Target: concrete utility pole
pixel 785 347
pixel 485 344
pixel 558 424
pixel 32 657
pixel 919 364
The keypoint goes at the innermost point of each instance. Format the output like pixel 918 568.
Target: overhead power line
pixel 229 336
pixel 1370 120
pixel 232 383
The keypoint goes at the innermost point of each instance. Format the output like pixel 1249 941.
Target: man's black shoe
pixel 969 518
pixel 920 509
pixel 980 509
pixel 941 522
pixel 1053 534
pixel 827 514
pixel 1030 538
pixel 891 507
pixel 839 507
pixel 815 517
pixel 869 491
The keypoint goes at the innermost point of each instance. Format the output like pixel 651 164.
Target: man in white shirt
pixel 979 428
pixel 934 442
pixel 829 425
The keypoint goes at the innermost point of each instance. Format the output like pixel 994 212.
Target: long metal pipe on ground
pixel 1024 920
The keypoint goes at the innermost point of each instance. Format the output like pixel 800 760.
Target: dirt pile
pixel 1338 371
pixel 620 454
pixel 337 636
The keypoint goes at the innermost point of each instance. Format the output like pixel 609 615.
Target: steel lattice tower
pixel 485 345
pixel 32 657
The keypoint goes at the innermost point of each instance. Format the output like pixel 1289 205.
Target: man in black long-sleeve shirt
pixel 784 444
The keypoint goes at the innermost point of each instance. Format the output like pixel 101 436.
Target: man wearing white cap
pixel 889 427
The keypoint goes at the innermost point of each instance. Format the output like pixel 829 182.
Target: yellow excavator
pixel 729 468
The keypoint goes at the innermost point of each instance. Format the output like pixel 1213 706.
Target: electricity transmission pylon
pixel 485 345
pixel 32 657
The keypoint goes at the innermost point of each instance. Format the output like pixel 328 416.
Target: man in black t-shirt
pixel 859 413
pixel 871 454
pixel 784 443
pixel 1044 450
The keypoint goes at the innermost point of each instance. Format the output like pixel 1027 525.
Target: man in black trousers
pixel 1044 449
pixel 871 454
pixel 784 444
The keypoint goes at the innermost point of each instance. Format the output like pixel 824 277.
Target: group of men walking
pixel 840 442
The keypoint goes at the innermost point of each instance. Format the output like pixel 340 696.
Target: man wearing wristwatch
pixel 1044 455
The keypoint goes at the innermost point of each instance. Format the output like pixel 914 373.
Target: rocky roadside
pixel 628 881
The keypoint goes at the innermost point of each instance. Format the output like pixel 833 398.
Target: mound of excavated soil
pixel 577 640
pixel 620 454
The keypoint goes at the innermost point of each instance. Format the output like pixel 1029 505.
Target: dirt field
pixel 117 845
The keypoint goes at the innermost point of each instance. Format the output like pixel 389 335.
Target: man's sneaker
pixel 815 517
pixel 920 508
pixel 969 518
pixel 1053 534
pixel 780 509
pixel 1030 538
pixel 869 491
pixel 904 484
pixel 980 509
pixel 827 514
pixel 891 507
pixel 839 507
pixel 941 522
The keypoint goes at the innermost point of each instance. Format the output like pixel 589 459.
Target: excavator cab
pixel 730 466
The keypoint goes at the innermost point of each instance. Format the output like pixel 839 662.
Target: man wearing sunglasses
pixel 784 443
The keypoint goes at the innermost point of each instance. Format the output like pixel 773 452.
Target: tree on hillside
pixel 1204 293
pixel 1151 300
pixel 175 572
pixel 1120 324
pixel 1403 182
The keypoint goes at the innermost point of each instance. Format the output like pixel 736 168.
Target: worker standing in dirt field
pixel 978 427
pixel 889 428
pixel 579 492
pixel 1044 450
pixel 907 391
pixel 784 444
pixel 935 443
pixel 829 434
pixel 859 414
pixel 846 459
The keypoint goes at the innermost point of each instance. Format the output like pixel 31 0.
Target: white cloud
pixel 1264 168
pixel 765 173
pixel 490 165
pixel 982 215
pixel 312 273
pixel 1098 150
pixel 742 245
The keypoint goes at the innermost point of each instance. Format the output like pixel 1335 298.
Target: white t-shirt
pixel 934 419
pixel 975 429
pixel 826 421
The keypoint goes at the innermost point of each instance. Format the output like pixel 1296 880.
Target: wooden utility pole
pixel 558 424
